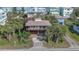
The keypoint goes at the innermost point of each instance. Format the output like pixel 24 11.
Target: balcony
pixel 36 28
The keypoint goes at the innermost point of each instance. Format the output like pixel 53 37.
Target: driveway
pixel 37 43
pixel 71 42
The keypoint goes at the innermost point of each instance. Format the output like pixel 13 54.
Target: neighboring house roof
pixel 38 23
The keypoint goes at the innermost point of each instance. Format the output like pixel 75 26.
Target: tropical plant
pixel 55 32
pixel 23 36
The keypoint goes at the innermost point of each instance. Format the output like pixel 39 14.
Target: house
pixel 55 10
pixel 60 19
pixel 3 17
pixel 35 10
pixel 19 9
pixel 7 9
pixel 67 11
pixel 37 26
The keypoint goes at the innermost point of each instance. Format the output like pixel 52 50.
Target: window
pixel 67 12
pixel 33 9
pixel 33 26
pixel 44 26
pixel 3 13
pixel 68 9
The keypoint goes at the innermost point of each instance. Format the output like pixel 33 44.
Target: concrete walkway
pixel 37 43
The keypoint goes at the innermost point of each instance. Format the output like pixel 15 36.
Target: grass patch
pixel 63 44
pixel 15 44
pixel 73 35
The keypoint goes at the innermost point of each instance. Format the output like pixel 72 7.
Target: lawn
pixel 63 44
pixel 15 44
pixel 74 35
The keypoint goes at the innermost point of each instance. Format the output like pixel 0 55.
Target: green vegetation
pixel 55 33
pixel 57 42
pixel 63 44
pixel 70 32
pixel 15 44
pixel 76 12
pixel 73 35
pixel 13 34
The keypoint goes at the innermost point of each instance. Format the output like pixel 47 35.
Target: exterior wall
pixel 29 9
pixel 55 10
pixel 19 9
pixel 35 9
pixel 39 9
pixel 67 11
pixel 61 11
pixel 36 29
pixel 7 9
pixel 64 11
pixel 61 21
pixel 3 17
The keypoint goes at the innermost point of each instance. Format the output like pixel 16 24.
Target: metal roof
pixel 38 23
